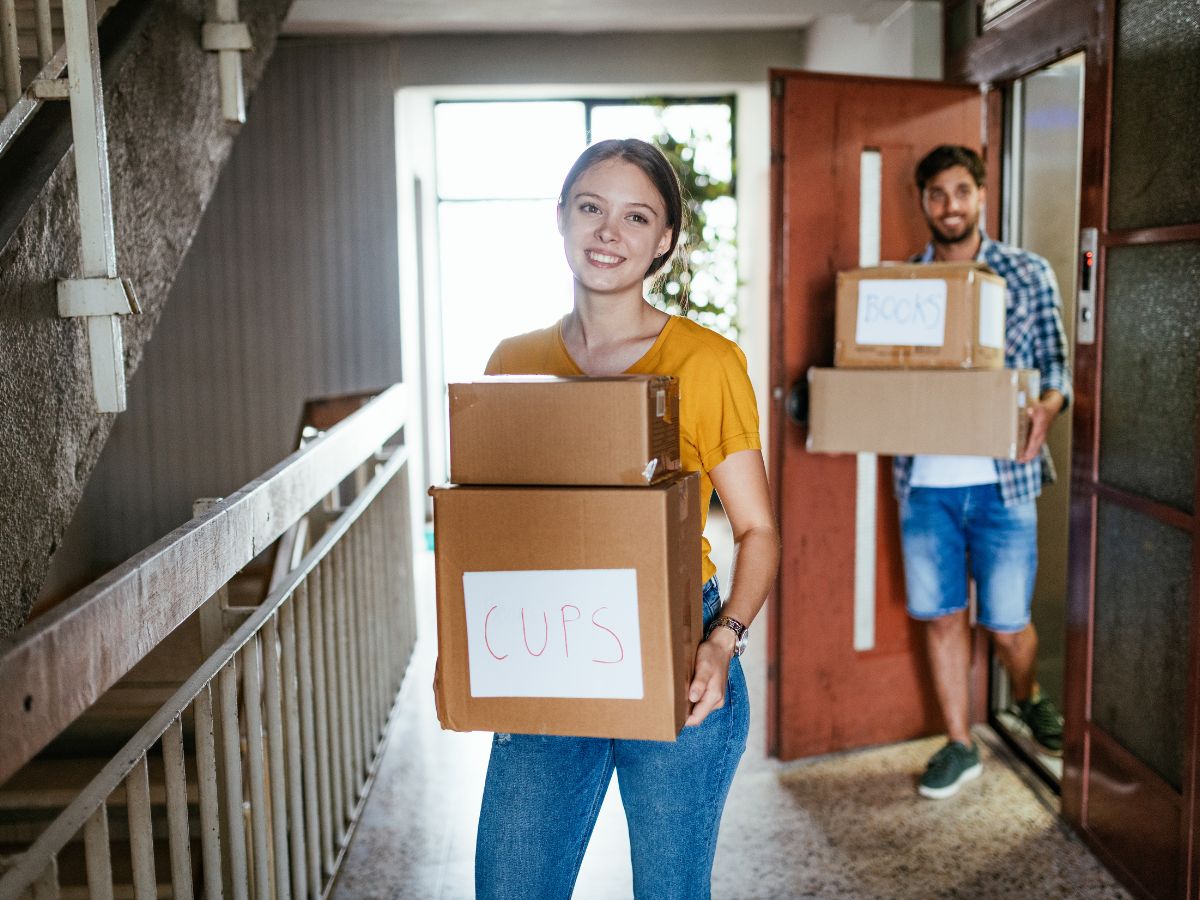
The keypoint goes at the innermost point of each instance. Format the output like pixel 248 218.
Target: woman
pixel 620 214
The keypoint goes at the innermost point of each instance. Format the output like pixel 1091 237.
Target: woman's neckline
pixel 634 369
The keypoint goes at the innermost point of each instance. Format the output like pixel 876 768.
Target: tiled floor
pixel 844 826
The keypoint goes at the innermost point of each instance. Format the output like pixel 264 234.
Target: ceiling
pixel 578 16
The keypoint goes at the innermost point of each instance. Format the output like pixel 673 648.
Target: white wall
pixel 907 44
pixel 676 58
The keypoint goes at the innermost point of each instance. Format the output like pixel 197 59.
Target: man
pixel 977 515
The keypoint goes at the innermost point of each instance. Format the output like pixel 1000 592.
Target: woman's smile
pixel 603 260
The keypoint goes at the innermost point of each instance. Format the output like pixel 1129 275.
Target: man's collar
pixel 985 244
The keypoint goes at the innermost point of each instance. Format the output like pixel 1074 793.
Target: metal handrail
pixel 21 95
pixel 290 711
pixel 82 810
pixel 52 670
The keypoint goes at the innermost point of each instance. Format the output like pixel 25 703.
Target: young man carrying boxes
pixel 956 365
pixel 957 507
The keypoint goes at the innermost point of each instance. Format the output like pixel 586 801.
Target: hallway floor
pixel 844 826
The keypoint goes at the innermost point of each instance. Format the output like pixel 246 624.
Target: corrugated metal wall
pixel 290 290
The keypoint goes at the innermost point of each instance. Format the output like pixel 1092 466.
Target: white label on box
pixel 903 312
pixel 554 633
pixel 991 314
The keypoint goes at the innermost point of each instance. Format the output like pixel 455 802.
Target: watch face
pixel 740 646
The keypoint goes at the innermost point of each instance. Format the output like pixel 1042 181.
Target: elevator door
pixel 1131 779
pixel 1042 140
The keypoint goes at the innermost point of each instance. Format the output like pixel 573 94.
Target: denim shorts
pixel 950 533
pixel 543 793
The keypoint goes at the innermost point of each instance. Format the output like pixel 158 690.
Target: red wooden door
pixel 846 666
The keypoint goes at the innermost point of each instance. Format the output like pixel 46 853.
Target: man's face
pixel 951 202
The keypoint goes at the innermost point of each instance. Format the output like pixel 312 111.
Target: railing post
pixel 291 708
pixel 277 777
pixel 45 31
pixel 141 832
pixel 10 52
pixel 304 654
pixel 349 723
pixel 326 764
pixel 231 770
pixel 224 35
pixel 98 295
pixel 337 710
pixel 259 810
pixel 210 805
pixel 177 811
pixel 98 852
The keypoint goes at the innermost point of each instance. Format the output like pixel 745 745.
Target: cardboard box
pixel 620 430
pixel 928 316
pixel 974 413
pixel 567 610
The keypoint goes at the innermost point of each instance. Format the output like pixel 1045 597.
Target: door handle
pixel 797 403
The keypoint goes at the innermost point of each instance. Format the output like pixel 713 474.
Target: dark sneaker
pixel 948 769
pixel 1045 723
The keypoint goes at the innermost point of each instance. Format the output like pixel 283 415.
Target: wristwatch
pixel 741 632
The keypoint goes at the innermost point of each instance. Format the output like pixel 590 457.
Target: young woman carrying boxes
pixel 620 214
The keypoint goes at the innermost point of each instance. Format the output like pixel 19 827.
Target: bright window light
pixel 513 150
pixel 502 273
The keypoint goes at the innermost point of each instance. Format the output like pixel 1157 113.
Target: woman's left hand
pixel 712 674
pixel 741 480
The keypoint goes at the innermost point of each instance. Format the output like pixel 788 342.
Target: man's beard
pixel 941 237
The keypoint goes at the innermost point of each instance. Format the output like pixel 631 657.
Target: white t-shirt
pixel 952 471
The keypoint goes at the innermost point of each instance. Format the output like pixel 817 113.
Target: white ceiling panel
pixel 492 16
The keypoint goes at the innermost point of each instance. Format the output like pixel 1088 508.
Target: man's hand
pixel 712 674
pixel 1041 415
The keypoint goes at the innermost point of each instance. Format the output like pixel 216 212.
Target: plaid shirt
pixel 1034 339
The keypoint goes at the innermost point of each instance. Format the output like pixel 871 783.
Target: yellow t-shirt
pixel 717 411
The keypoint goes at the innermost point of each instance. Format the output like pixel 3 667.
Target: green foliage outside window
pixel 702 278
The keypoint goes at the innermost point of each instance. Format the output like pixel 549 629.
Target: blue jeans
pixel 543 793
pixel 947 531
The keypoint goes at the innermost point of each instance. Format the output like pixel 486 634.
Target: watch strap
pixel 739 630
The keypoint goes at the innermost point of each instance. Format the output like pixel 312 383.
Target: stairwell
pixel 167 142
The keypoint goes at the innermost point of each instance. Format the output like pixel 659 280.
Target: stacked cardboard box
pixel 568 559
pixel 920 353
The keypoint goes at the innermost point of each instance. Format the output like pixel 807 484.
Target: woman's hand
pixel 741 482
pixel 712 674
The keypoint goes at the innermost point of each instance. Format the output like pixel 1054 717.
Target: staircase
pixel 226 747
pixel 166 138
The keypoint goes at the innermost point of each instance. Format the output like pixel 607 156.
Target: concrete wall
pixel 167 143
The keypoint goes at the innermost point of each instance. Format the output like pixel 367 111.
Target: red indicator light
pixel 1089 258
